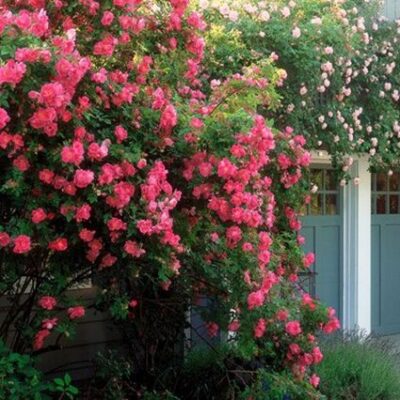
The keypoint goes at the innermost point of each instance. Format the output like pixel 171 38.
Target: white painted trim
pixel 320 157
pixel 356 278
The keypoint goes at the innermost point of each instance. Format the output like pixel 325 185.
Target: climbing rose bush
pixel 341 59
pixel 125 163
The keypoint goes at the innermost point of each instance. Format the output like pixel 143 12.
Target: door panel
pixel 385 259
pixel 385 253
pixel 323 238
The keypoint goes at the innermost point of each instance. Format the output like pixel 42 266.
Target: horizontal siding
pixel 76 360
pixel 391 9
pixel 94 333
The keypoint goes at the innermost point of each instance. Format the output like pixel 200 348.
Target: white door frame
pixel 356 245
pixel 357 249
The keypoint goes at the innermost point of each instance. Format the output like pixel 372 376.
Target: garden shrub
pixel 124 162
pixel 207 373
pixel 19 379
pixel 114 374
pixel 356 367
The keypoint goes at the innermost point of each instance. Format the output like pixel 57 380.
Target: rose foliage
pixel 342 64
pixel 124 163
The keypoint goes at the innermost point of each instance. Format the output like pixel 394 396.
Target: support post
pixel 356 277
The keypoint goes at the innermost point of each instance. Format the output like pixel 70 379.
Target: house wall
pixel 94 333
pixel 391 9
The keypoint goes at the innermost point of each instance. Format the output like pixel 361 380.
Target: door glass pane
pixel 381 204
pixel 316 207
pixel 331 204
pixel 304 209
pixel 394 204
pixel 394 182
pixel 331 182
pixel 381 182
pixel 316 178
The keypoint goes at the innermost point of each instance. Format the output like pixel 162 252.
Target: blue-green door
pixel 322 230
pixel 385 257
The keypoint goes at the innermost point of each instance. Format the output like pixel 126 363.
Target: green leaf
pixel 67 379
pixel 59 381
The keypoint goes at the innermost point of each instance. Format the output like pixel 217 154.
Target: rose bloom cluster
pixel 240 193
pixel 118 168
pixel 82 181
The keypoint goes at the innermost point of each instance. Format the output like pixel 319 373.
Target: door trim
pixel 357 249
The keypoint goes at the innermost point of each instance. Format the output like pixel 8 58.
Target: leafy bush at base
pixel 20 380
pixel 215 373
pixel 359 368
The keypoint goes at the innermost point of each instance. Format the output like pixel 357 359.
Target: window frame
pixel 324 193
pixel 387 193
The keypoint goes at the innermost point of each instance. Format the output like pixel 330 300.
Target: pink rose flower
pixel 317 355
pixel 49 324
pixel 294 348
pixel 120 133
pixel 52 95
pixel 308 259
pixel 108 261
pixel 39 339
pixel 314 380
pixel 293 328
pixel 38 215
pixel 233 235
pixel 260 328
pixel 59 244
pixel 22 244
pixel 4 118
pixel 105 47
pixel 169 118
pixel 76 312
pixel 107 18
pixel 234 326
pixel 116 224
pixel 12 73
pixel 133 303
pixel 86 235
pixel 282 315
pixel 4 239
pixel 212 329
pixel 131 247
pixel 83 213
pixel 255 299
pixel 83 178
pixel 141 163
pixel 145 226
pixel 46 176
pixel 47 302
pixel 21 163
pixel 332 326
pixel 73 154
pixel 296 32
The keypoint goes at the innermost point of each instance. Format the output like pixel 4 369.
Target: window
pixel 326 200
pixel 385 191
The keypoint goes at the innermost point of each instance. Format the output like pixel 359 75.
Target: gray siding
pixel 392 9
pixel 94 333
